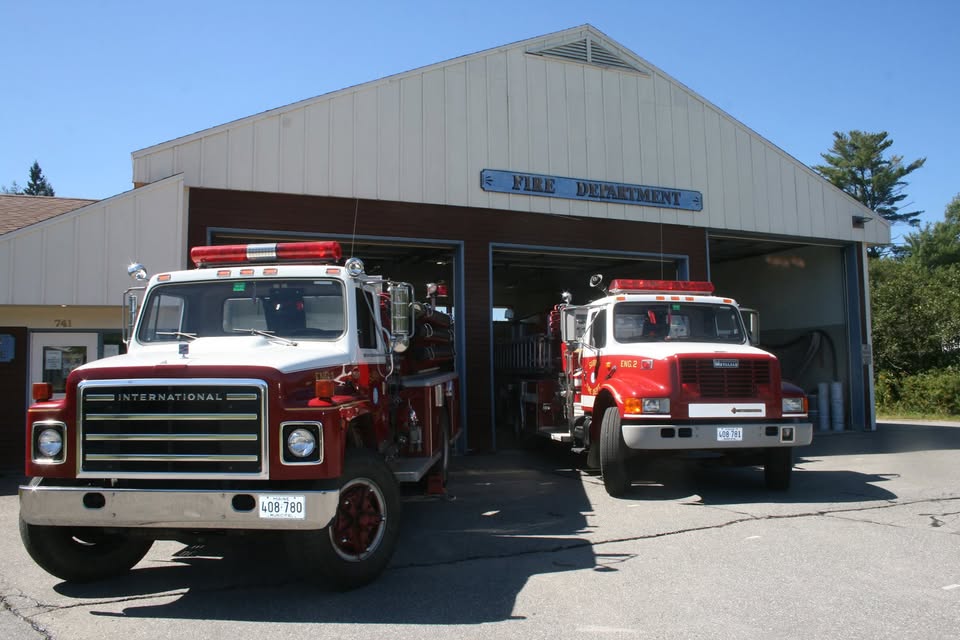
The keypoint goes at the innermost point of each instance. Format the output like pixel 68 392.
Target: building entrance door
pixel 54 355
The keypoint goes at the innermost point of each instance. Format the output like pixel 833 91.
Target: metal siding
pixel 497 126
pixel 292 149
pixel 748 217
pixel 518 142
pixel 556 124
pixel 714 196
pixel 215 160
pixel 411 139
pixel 388 150
pixel 120 217
pixel 91 233
pixel 241 157
pixel 342 145
pixel 366 173
pixel 433 159
pixel 537 130
pixel 774 189
pixel 317 153
pixel 613 136
pixel 161 165
pixel 59 268
pixel 698 156
pixel 29 269
pixel 266 147
pixel 455 133
pixel 596 150
pixel 476 130
pixel 188 161
pixel 576 106
pixel 6 271
pixel 758 176
pixel 425 135
pixel 817 215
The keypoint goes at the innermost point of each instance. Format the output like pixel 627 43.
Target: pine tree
pixel 856 164
pixel 38 185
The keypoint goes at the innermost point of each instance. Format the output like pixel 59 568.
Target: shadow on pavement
pixel 519 521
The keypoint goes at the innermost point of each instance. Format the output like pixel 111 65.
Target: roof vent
pixel 588 51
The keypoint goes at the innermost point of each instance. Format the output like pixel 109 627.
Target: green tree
pixel 13 189
pixel 937 245
pixel 857 165
pixel 38 184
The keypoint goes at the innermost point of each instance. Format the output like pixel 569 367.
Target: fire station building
pixel 512 175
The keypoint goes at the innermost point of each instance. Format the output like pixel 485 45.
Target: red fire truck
pixel 273 388
pixel 655 366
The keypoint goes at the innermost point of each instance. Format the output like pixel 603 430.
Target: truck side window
pixel 598 330
pixel 366 327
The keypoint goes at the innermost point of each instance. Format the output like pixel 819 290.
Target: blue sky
pixel 87 83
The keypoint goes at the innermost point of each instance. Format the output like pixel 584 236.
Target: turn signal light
pixel 324 388
pixel 41 391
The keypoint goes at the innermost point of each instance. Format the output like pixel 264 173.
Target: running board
pixel 559 434
pixel 412 469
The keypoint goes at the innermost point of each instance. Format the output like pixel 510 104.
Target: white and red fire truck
pixel 275 388
pixel 656 366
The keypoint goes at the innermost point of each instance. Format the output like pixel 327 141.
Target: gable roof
pixel 574 103
pixel 19 211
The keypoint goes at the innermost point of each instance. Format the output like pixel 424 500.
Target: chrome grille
pixel 725 381
pixel 159 428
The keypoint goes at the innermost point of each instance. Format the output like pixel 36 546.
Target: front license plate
pixel 729 434
pixel 283 507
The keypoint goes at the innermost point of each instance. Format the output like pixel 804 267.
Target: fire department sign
pixel 533 184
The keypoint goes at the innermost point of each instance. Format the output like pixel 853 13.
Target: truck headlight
pixel 646 405
pixel 48 442
pixel 794 405
pixel 302 442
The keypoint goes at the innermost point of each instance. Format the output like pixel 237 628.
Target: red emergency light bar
pixel 273 252
pixel 659 286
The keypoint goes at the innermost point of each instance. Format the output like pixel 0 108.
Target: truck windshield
pixel 663 321
pixel 302 308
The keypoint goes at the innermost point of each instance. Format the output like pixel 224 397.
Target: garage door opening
pixel 526 284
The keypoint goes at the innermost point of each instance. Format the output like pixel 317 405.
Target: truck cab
pixel 272 388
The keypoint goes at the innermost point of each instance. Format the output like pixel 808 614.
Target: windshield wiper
pixel 179 334
pixel 267 334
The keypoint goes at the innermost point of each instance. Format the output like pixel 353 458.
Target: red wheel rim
pixel 361 520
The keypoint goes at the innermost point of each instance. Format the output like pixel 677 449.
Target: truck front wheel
pixel 613 454
pixel 357 545
pixel 82 554
pixel 777 468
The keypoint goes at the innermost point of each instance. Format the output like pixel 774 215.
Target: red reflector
pixel 651 286
pixel 41 391
pixel 273 252
pixel 324 388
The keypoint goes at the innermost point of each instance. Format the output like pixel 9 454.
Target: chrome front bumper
pixel 641 435
pixel 168 509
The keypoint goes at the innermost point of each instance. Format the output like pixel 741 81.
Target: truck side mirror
pixel 571 326
pixel 401 316
pixel 130 307
pixel 751 318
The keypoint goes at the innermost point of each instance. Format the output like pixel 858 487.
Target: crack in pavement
pixel 581 543
pixel 8 606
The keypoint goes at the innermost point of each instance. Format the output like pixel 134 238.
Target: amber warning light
pixel 274 252
pixel 658 286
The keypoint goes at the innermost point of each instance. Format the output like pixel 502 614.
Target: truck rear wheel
pixel 77 554
pixel 357 545
pixel 777 468
pixel 613 454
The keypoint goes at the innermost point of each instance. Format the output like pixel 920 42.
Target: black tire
pixel 613 454
pixel 80 555
pixel 778 468
pixel 357 546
